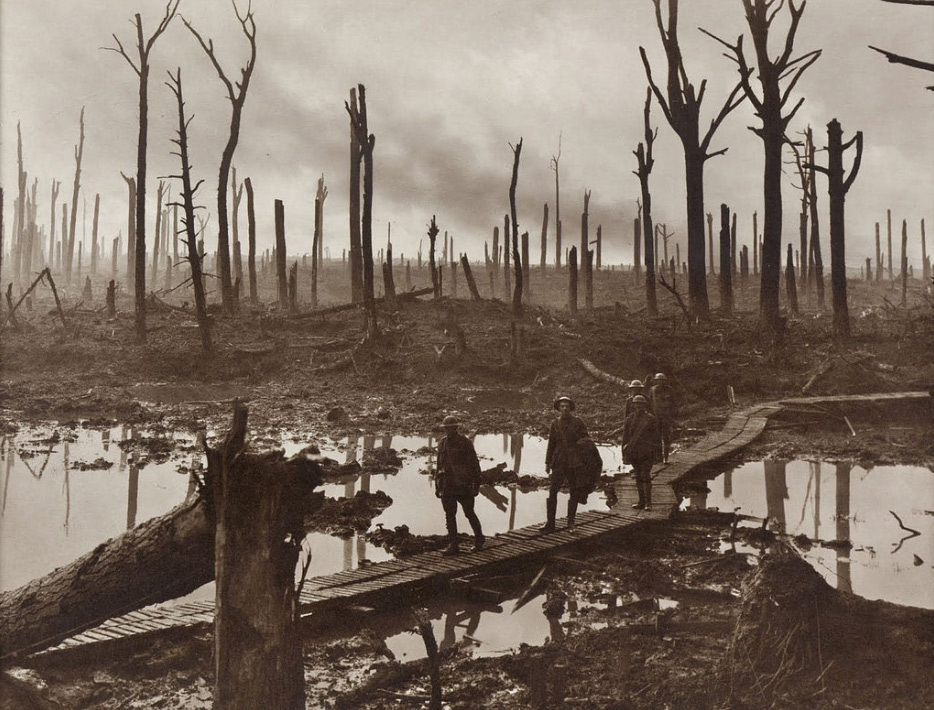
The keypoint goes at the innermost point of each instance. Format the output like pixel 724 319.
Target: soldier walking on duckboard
pixel 641 447
pixel 458 482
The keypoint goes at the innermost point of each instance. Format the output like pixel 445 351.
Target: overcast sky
pixel 450 84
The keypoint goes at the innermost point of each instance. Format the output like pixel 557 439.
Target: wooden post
pixel 726 273
pixel 468 275
pixel 280 256
pixel 572 281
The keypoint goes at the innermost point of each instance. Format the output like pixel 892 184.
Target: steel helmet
pixel 636 384
pixel 639 399
pixel 661 376
pixel 561 399
pixel 450 420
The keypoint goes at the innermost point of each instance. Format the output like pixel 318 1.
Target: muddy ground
pixel 313 376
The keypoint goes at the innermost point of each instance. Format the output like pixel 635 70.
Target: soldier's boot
pixel 453 547
pixel 648 495
pixel 551 508
pixel 572 512
pixel 641 487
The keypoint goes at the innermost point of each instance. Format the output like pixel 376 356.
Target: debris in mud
pixel 346 516
pixel 148 449
pixel 401 542
pixel 334 472
pixel 381 460
pixel 99 464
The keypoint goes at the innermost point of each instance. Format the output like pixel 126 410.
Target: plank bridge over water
pixel 410 577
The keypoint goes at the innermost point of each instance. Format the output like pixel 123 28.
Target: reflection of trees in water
pixel 844 580
pixel 814 467
pixel 776 492
pixel 67 486
pixel 132 496
pixel 6 450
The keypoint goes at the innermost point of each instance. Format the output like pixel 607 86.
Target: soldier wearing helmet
pixel 457 481
pixel 563 459
pixel 641 447
pixel 664 407
pixel 635 388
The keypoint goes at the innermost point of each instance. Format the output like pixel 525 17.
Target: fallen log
pixel 601 375
pixel 162 559
pixel 407 296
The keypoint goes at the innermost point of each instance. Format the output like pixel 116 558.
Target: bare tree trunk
pixel 839 185
pixel 76 187
pixel 356 256
pixel 572 281
pixel 518 262
pixel 544 251
pixel 878 255
pixel 526 281
pixel 925 262
pixel 280 257
pixel 258 502
pixel 236 94
pixel 815 223
pixel 904 262
pixel 637 248
pixel 726 274
pixel 791 288
pixel 236 195
pixel 131 233
pixel 645 162
pixel 888 230
pixel 19 226
pixel 251 227
pixel 710 242
pixel 432 268
pixel 293 288
pixel 585 251
pixel 97 209
pixel 55 188
pixel 507 248
pixel 555 160
pixel 157 234
pixel 188 221
pixel 468 275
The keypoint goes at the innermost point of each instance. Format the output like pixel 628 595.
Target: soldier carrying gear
pixel 458 481
pixel 635 388
pixel 665 408
pixel 563 461
pixel 641 448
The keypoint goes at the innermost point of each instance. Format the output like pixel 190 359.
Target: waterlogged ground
pixel 849 518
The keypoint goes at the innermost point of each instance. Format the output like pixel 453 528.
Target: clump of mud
pixel 345 516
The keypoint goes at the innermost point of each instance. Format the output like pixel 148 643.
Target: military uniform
pixel 458 482
pixel 641 448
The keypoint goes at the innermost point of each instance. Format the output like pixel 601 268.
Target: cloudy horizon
pixel 450 86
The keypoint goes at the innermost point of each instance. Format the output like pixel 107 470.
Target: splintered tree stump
pixel 258 501
pixel 468 275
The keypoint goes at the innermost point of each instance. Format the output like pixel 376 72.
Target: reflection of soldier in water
pixel 454 619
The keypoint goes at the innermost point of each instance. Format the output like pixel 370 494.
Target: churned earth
pixel 657 618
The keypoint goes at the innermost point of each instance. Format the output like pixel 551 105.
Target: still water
pixel 844 502
pixel 64 491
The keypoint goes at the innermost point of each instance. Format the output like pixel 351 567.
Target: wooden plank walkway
pixel 410 577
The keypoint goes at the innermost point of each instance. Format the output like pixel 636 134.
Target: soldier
pixel 635 387
pixel 563 459
pixel 664 407
pixel 641 446
pixel 458 481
